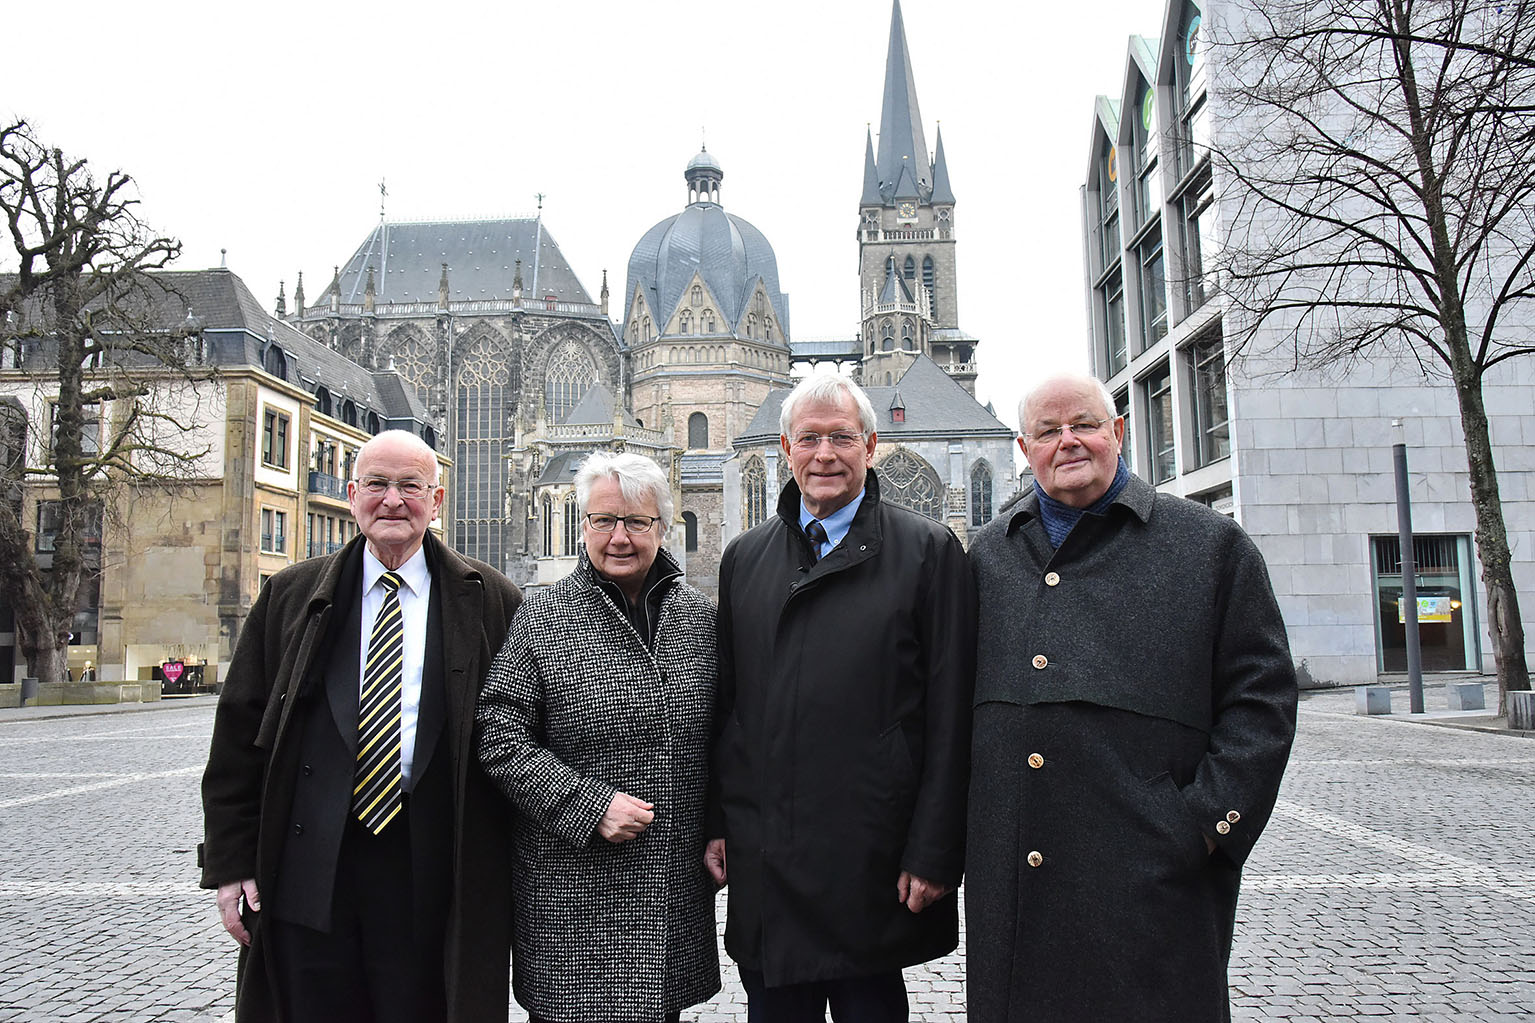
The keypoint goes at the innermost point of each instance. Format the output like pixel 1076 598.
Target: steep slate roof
pixel 596 409
pixel 239 330
pixel 482 255
pixel 936 406
pixel 901 142
pixel 561 468
pixel 727 251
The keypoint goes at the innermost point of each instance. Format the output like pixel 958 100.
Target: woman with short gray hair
pixel 595 723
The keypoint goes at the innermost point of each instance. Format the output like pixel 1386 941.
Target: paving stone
pixel 1394 881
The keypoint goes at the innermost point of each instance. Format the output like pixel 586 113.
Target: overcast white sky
pixel 265 129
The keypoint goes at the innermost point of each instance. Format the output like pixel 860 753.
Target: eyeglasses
pixel 632 523
pixel 378 486
pixel 1080 429
pixel 840 440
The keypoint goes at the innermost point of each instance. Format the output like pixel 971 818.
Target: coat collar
pixel 865 532
pixel 1138 496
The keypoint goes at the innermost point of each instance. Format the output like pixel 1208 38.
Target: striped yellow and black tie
pixel 376 796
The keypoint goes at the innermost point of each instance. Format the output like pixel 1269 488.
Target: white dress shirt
pixel 415 597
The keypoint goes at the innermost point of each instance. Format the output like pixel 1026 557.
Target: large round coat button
pixel 1036 761
pixel 1035 859
pixel 1040 660
pixel 1222 827
pixel 1052 578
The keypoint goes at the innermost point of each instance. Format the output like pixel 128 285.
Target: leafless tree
pixel 1380 160
pixel 78 301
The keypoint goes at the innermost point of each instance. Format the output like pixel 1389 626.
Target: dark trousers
pixel 371 967
pixel 880 998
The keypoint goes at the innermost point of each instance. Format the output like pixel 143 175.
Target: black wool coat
pixel 1134 695
pixel 842 753
pixel 254 763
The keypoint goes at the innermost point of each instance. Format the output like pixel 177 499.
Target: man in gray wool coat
pixel 1134 710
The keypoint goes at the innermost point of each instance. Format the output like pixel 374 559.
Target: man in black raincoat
pixel 841 761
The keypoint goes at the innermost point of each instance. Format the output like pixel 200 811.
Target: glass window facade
pixel 1447 627
pixel 1161 429
pixel 1207 386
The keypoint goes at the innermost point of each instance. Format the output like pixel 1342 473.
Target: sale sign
pixel 173 670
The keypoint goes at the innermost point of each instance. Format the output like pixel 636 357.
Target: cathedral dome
pixel 722 248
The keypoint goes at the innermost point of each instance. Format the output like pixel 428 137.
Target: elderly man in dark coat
pixel 1134 710
pixel 360 856
pixel 846 645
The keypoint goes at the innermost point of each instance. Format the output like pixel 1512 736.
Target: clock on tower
pixel 906 211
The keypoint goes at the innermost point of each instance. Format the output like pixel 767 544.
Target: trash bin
pixel 28 690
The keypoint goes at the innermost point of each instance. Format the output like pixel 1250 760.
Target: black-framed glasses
pixel 1079 429
pixel 632 523
pixel 841 440
pixel 378 486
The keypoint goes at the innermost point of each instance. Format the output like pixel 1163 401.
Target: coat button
pixel 1040 660
pixel 308 770
pixel 1222 827
pixel 1036 761
pixel 1233 816
pixel 298 829
pixel 1035 859
pixel 1052 578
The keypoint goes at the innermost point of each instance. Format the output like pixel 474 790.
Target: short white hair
pixel 638 478
pixel 1078 379
pixel 403 438
pixel 826 387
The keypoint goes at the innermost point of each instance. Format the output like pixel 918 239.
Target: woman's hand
pixel 625 818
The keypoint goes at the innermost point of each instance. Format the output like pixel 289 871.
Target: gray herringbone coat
pixel 575 707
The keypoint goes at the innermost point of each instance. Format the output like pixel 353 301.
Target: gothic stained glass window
pixel 754 490
pixel 906 479
pixel 414 356
pixel 980 494
pixel 548 524
pixel 572 527
pixel 479 480
pixel 930 283
pixel 570 375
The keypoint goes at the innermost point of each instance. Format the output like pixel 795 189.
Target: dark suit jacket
pixel 272 720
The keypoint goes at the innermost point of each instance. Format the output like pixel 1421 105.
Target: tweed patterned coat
pixel 575 708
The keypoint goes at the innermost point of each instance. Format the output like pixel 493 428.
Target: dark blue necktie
pixel 817 534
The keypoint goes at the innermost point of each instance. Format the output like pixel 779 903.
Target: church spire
pixel 942 192
pixel 902 145
pixel 870 173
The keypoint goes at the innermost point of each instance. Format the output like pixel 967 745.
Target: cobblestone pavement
pixel 1395 881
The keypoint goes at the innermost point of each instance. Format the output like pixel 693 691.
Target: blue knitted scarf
pixel 1060 518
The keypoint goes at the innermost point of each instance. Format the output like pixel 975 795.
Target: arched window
pixel 910 270
pixel 349 412
pixel 570 375
pixel 482 398
pixel 685 323
pixel 928 282
pixel 322 402
pixel 698 430
pixel 572 527
pixel 690 531
pixel 906 479
pixel 890 264
pixel 754 491
pixel 888 344
pixel 980 494
pixel 697 297
pixel 548 517
pixel 430 436
pixel 375 425
pixel 708 321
